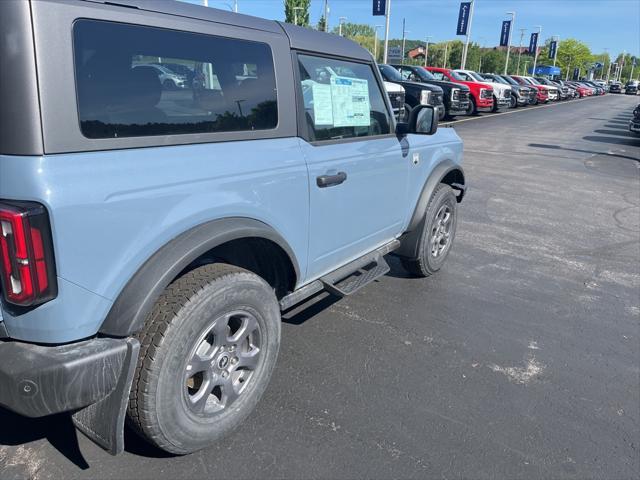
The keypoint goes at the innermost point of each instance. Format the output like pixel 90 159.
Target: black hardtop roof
pixel 299 37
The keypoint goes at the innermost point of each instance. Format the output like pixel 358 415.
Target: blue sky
pixel 600 23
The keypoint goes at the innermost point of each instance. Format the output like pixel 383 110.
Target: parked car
pixel 501 91
pixel 533 91
pixel 615 87
pixel 563 91
pixel 631 87
pixel 149 243
pixel 395 93
pixel 543 90
pixel 582 89
pixel 553 92
pixel 168 79
pixel 456 96
pixel 572 91
pixel 481 93
pixel 415 93
pixel 520 95
pixel 634 123
pixel 599 89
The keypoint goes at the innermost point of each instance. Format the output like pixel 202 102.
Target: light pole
pixel 375 41
pixel 446 49
pixel 466 44
pixel 535 55
pixel 404 39
pixel 386 32
pixel 513 21
pixel 340 22
pixel 481 41
pixel 606 55
pixel 326 15
pixel 522 30
pixel 295 14
pixel 568 68
pixel 426 50
pixel 525 67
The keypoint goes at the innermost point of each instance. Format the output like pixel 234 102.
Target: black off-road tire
pixel 427 264
pixel 472 109
pixel 159 408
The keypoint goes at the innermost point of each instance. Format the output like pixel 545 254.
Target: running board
pixel 347 279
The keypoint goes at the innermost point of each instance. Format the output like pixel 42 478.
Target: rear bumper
pixel 634 127
pixel 41 380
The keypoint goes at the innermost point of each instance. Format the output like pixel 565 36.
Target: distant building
pixel 416 53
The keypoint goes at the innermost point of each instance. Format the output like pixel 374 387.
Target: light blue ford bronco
pixel 172 178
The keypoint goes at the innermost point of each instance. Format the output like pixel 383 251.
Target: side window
pixel 406 73
pixel 341 99
pixel 466 77
pixel 137 81
pixel 439 75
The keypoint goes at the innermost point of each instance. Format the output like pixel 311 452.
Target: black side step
pixel 347 279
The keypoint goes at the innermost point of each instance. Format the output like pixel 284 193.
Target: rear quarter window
pixel 137 81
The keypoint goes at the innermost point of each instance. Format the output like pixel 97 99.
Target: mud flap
pixel 103 421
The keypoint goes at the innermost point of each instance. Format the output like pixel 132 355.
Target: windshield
pixel 532 81
pixel 497 79
pixel 390 73
pixel 510 80
pixel 456 76
pixel 476 77
pixel 424 74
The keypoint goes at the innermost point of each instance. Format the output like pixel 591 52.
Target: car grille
pixel 397 99
pixel 533 93
pixel 435 99
pixel 565 90
pixel 460 95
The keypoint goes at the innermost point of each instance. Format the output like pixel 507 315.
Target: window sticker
pixel 350 101
pixel 322 105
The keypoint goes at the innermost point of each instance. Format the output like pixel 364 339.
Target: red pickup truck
pixel 481 94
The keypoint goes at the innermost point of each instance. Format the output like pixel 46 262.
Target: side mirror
pixel 423 120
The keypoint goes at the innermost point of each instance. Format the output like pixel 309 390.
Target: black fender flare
pixel 454 174
pixel 135 301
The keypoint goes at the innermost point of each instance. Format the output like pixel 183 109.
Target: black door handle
pixel 331 180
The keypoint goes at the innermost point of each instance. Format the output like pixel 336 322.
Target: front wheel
pixel 471 109
pixel 207 352
pixel 514 102
pixel 438 231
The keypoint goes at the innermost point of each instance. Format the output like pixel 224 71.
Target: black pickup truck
pixel 415 93
pixel 456 95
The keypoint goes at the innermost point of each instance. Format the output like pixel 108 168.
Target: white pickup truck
pixel 501 92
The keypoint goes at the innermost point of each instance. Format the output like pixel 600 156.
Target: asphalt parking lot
pixel 520 359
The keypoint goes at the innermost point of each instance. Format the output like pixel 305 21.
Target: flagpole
pixel 535 56
pixel 386 32
pixel 513 21
pixel 466 45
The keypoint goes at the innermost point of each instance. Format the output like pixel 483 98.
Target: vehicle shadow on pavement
pixel 57 429
pixel 592 152
pixel 630 142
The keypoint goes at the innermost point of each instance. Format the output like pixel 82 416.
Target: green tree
pixel 571 53
pixel 322 24
pixel 297 9
pixel 351 30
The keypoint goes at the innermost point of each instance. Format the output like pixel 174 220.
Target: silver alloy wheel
pixel 441 231
pixel 222 362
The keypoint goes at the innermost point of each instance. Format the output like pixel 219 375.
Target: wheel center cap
pixel 223 361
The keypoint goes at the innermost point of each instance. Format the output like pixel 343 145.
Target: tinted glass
pixel 341 99
pixel 391 74
pixel 139 81
pixel 425 74
pixel 456 75
pixel 510 80
pixel 439 76
pixel 475 76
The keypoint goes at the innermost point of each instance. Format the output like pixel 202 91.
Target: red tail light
pixel 27 267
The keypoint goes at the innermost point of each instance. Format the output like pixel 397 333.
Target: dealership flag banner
pixel 552 49
pixel 463 18
pixel 533 43
pixel 379 8
pixel 576 73
pixel 504 33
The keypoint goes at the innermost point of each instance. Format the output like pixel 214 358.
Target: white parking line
pixel 519 110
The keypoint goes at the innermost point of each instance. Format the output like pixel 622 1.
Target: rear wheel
pixel 208 349
pixel 513 102
pixel 438 232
